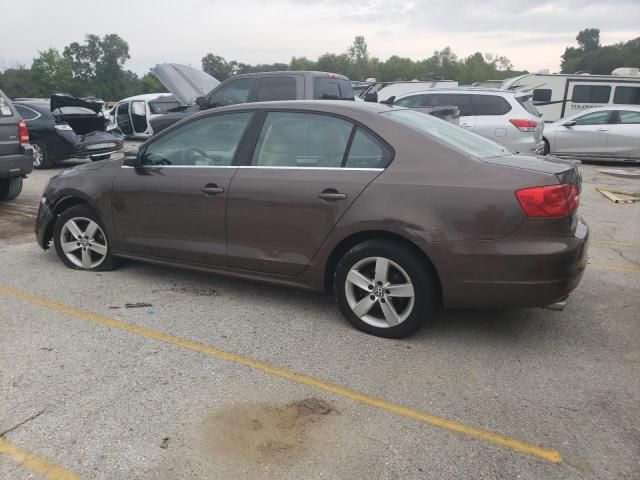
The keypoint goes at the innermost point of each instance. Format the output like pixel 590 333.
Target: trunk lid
pixel 60 100
pixel 184 82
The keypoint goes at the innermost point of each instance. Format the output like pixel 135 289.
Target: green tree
pixel 302 63
pixel 51 72
pixel 589 39
pixel 149 84
pixel 218 67
pixel 17 82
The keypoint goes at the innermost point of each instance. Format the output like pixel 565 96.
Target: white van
pixel 559 95
pixel 131 115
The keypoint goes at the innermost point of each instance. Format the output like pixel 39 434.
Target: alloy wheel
pixel 83 242
pixel 379 292
pixel 38 155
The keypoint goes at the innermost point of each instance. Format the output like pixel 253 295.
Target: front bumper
pixel 44 224
pixel 514 272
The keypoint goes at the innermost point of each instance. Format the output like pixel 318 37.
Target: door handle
pixel 332 195
pixel 212 189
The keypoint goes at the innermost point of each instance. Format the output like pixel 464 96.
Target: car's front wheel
pixel 385 289
pixel 81 241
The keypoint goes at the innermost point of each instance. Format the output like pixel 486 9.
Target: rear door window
pixel 367 152
pixel 293 139
pixel 489 105
pixel 463 102
pixel 627 95
pixel 591 94
pixel 628 118
pixel 277 87
pixel 330 88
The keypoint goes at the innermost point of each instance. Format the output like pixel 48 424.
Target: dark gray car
pixel 15 151
pixel 395 211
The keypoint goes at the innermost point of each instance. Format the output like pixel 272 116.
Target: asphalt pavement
pixel 220 378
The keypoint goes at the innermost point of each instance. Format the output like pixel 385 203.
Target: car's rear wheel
pixel 81 241
pixel 10 188
pixel 385 289
pixel 40 155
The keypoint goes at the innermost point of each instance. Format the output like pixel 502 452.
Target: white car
pixel 506 117
pixel 131 115
pixel 605 133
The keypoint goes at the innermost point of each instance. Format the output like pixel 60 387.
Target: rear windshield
pixel 528 105
pixel 452 135
pixel 329 88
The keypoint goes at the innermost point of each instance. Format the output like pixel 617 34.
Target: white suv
pixel 504 116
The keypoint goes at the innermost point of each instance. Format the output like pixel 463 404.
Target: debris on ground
pixel 621 172
pixel 138 305
pixel 619 196
pixel 165 443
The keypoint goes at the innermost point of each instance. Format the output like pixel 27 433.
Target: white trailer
pixel 382 91
pixel 560 95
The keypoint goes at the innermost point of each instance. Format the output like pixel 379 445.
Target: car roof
pixel 148 97
pixel 329 106
pixel 463 90
pixel 315 73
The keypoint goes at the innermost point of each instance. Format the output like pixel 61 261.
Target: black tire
pixel 10 188
pixel 84 214
pixel 41 159
pixel 547 148
pixel 411 268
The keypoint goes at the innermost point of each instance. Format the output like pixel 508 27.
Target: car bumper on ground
pixel 16 165
pixel 527 271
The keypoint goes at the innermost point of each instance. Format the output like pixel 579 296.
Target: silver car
pixel 605 133
pixel 506 117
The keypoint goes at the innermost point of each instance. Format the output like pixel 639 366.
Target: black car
pixel 65 127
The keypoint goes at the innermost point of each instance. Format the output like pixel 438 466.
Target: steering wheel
pixel 189 152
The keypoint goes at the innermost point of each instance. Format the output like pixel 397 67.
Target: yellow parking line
pixel 34 463
pixel 517 445
pixel 615 268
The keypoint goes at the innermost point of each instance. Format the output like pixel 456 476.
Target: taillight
pixel 549 201
pixel 524 125
pixel 23 133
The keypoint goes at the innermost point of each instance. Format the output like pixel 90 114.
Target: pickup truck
pixel 192 89
pixel 16 157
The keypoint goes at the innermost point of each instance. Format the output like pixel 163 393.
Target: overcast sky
pixel 532 34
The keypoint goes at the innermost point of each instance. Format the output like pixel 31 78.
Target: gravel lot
pixel 110 392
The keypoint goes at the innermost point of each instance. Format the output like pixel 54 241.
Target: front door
pixel 587 136
pixel 299 183
pixel 624 135
pixel 173 206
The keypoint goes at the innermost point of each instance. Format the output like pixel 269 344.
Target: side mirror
pixel 131 157
pixel 569 124
pixel 389 101
pixel 202 103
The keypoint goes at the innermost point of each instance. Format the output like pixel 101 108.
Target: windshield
pixel 455 137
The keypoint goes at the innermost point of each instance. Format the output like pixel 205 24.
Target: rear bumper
pixel 514 272
pixel 16 165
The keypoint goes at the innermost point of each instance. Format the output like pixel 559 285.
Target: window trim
pixel 38 114
pixel 246 161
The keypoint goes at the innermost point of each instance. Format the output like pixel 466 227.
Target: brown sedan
pixel 395 211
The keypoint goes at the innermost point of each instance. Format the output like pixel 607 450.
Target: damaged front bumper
pixel 44 224
pixel 92 145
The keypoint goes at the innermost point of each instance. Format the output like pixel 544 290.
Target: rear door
pixel 490 113
pixel 460 100
pixel 297 185
pixel 624 135
pixel 589 135
pixel 9 119
pixel 279 87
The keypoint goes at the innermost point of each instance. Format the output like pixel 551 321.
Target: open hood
pixel 61 100
pixel 185 82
